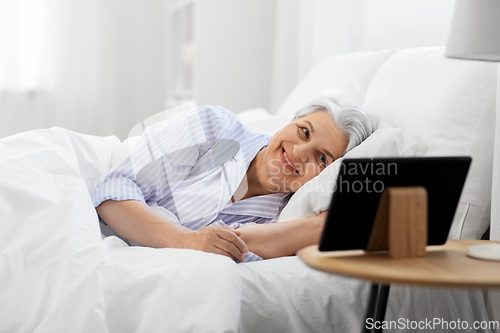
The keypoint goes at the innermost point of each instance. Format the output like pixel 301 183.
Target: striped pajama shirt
pixel 191 164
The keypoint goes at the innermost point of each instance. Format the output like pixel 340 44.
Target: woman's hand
pixel 215 239
pixel 137 222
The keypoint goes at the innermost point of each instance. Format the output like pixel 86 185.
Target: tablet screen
pixel 361 182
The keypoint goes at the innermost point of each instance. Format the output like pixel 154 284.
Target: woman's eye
pixel 324 160
pixel 306 132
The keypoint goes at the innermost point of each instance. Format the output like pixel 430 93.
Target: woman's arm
pixel 284 238
pixel 137 222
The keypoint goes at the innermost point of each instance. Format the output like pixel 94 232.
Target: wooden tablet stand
pixel 401 223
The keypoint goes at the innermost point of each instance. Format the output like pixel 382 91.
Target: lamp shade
pixel 475 30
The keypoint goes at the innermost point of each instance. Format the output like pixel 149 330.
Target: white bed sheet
pixel 285 296
pixel 58 275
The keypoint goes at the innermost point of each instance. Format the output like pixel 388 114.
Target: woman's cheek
pixel 312 171
pixel 275 167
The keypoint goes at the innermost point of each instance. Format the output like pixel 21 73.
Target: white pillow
pixel 315 196
pixel 448 107
pixel 350 73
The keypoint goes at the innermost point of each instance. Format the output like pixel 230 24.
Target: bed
pixel 58 274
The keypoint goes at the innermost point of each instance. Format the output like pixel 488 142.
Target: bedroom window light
pixel 181 53
pixel 23 28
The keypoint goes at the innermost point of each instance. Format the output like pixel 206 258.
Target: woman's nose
pixel 300 151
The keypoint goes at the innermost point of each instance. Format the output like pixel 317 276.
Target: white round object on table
pixel 484 251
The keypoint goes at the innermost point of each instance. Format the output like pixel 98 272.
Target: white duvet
pixel 57 274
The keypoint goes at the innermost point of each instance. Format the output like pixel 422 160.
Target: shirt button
pixel 205 217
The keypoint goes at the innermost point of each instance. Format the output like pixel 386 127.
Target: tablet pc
pixel 359 187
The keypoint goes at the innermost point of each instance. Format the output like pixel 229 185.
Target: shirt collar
pixel 267 206
pixel 235 169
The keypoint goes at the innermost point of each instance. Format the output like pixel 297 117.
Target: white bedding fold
pixel 169 290
pixel 50 253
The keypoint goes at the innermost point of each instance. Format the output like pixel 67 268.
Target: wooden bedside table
pixel 444 266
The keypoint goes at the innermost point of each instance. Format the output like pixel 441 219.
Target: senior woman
pixel 227 205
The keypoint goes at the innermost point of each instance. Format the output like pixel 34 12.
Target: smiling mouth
pixel 290 164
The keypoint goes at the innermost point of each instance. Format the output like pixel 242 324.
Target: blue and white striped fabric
pixel 191 164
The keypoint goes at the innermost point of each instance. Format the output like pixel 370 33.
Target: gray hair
pixel 356 123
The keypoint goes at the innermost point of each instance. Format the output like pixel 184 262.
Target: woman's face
pixel 301 150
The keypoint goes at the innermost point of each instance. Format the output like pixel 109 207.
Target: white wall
pixel 307 31
pixel 404 24
pixel 109 61
pixel 234 50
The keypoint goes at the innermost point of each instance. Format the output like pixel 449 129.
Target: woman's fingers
pixel 217 239
pixel 227 254
pixel 233 237
pixel 229 249
pixel 230 243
